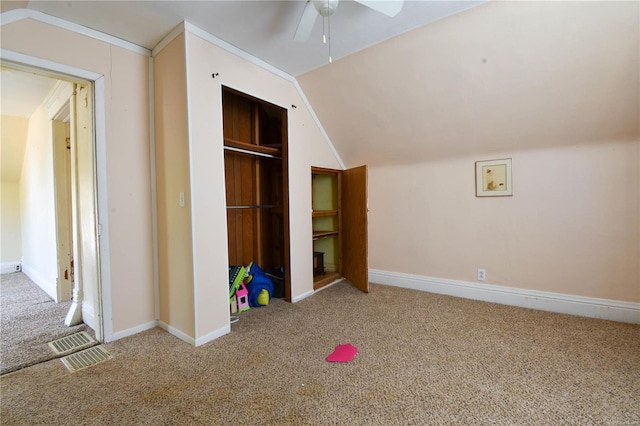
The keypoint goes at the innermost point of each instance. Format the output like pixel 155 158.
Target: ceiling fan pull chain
pixel 324 37
pixel 329 26
pixel 329 29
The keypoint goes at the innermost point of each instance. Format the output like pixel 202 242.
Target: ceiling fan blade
pixel 305 26
pixel 387 7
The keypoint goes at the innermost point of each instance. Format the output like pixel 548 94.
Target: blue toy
pixel 257 282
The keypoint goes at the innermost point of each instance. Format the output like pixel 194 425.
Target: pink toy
pixel 343 353
pixel 242 295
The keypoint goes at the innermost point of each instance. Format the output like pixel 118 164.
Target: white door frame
pixel 102 304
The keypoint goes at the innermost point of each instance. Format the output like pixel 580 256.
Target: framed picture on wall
pixel 493 178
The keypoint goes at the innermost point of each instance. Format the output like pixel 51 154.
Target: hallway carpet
pixel 29 320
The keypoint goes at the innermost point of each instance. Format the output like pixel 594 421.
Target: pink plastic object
pixel 242 294
pixel 343 353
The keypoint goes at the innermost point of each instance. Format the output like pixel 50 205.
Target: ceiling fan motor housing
pixel 325 7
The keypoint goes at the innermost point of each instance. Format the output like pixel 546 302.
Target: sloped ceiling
pixel 22 93
pixel 502 77
pixel 496 78
pixel 263 28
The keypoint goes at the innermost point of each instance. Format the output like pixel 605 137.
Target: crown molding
pixel 16 15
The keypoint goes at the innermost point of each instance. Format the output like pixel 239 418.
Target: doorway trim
pixel 62 196
pixel 102 304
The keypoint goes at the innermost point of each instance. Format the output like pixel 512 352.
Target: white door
pixel 64 235
pixel 84 206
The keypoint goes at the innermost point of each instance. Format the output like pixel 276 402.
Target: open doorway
pixel 57 195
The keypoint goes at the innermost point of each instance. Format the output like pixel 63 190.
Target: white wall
pixel 10 232
pixel 37 205
pixel 13 138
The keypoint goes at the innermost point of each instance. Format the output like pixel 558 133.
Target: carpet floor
pixel 29 320
pixel 423 359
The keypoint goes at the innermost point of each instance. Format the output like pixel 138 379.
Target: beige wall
pixel 129 186
pixel 571 226
pixel 172 177
pixel 192 240
pixel 306 148
pixel 553 85
pixel 128 183
pixel 127 155
pixel 504 79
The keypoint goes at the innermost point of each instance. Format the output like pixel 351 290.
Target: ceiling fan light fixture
pixel 325 7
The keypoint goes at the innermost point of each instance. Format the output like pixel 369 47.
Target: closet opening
pixel 340 226
pixel 256 182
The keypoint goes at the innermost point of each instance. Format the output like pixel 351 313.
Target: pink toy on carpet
pixel 343 353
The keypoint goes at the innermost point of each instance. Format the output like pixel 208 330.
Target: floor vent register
pixel 72 343
pixel 86 358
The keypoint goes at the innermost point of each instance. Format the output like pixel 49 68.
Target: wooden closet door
pixel 355 251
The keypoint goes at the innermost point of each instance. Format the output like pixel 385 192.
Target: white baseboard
pixel 47 286
pixel 134 330
pixel 612 310
pixel 10 267
pixel 331 284
pixel 302 296
pixel 178 333
pixel 190 340
pixel 213 335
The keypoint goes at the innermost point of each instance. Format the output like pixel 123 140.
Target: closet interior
pixel 340 229
pixel 255 160
pixel 326 222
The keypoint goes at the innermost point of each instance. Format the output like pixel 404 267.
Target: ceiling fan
pixel 325 8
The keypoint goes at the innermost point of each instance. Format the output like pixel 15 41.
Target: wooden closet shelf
pixel 325 213
pixel 251 147
pixel 256 206
pixel 323 234
pixel 320 281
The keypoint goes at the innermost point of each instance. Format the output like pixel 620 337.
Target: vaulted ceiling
pixel 497 79
pixel 442 79
pixel 262 28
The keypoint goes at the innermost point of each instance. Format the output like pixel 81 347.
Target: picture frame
pixel 493 178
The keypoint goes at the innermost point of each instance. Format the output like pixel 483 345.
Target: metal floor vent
pixel 86 358
pixel 72 343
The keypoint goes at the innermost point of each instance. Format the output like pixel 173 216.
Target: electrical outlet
pixel 482 274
